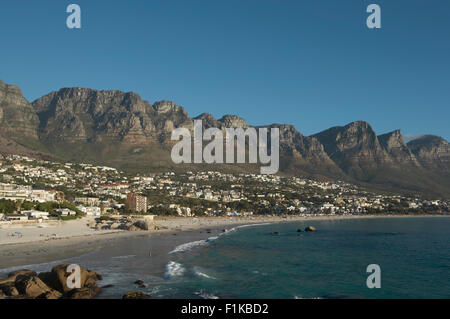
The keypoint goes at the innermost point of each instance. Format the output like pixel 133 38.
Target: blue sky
pixel 313 64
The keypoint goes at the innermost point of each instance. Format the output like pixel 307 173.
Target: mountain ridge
pixel 121 129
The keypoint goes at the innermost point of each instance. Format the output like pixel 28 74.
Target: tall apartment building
pixel 137 203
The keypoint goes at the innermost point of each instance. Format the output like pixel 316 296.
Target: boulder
pixel 25 272
pixel 53 294
pixel 84 293
pixel 13 275
pixel 57 278
pixel 299 230
pixel 115 225
pixel 310 229
pixel 9 289
pixel 134 228
pixel 136 295
pixel 31 286
pixel 141 224
pixel 126 226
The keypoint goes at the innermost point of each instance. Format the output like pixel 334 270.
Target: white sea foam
pixel 244 226
pixel 205 295
pixel 189 246
pixel 201 273
pixel 174 269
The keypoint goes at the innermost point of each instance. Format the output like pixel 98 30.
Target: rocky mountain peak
pixel 392 140
pixel 431 151
pixel 428 142
pixel 120 129
pixel 394 145
pixel 163 107
pixel 17 116
pixel 233 121
pixel 208 120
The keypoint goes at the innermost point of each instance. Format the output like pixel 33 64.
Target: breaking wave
pixel 174 269
pixel 201 273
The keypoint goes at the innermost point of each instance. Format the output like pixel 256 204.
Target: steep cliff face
pixel 432 152
pixel 294 143
pixel 354 147
pixel 75 114
pixel 17 116
pixel 394 145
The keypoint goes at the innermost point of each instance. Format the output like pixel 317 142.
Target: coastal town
pixel 33 190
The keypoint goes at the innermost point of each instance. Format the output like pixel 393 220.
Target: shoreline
pixel 182 231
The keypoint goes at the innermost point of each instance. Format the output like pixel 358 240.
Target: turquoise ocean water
pixel 252 262
pixel 413 254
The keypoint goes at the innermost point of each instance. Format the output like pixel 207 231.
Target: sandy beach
pixel 35 244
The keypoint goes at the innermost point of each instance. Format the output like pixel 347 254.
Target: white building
pixel 17 218
pixel 42 196
pixel 65 212
pixel 35 214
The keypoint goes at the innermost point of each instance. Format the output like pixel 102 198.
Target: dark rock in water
pixel 139 282
pixel 310 229
pixel 136 295
pixel 275 233
pixel 224 230
pixel 299 230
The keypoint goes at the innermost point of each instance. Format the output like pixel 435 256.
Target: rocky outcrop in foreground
pixel 135 295
pixel 27 284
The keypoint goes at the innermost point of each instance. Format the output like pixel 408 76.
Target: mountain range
pixel 120 129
